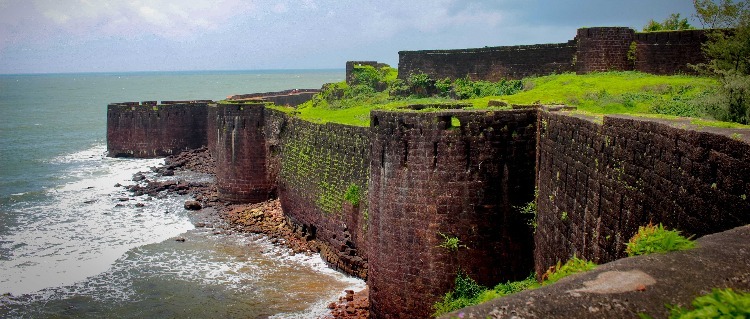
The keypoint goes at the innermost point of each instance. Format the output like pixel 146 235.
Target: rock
pixel 180 239
pixel 123 199
pixel 168 172
pixel 193 205
pixel 118 185
pixel 497 103
pixel 332 305
pixel 137 177
pixel 140 205
pixel 89 201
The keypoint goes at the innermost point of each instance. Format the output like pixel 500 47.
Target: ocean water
pixel 72 246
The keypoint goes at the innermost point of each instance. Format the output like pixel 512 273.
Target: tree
pixel 672 23
pixel 728 52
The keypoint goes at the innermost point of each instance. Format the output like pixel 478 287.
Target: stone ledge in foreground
pixel 626 287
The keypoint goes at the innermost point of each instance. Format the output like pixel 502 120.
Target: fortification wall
pixel 323 186
pixel 293 97
pixel 456 173
pixel 604 49
pixel 491 63
pixel 599 181
pixel 242 175
pixel 592 50
pixel 150 130
pixel 669 52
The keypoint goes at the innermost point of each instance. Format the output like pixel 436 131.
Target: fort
pixel 382 197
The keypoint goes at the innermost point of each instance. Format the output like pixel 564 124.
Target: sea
pixel 74 244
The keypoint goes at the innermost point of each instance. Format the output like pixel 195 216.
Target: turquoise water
pixel 71 248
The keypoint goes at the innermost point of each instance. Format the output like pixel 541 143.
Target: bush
pixel 468 292
pixel 572 266
pixel 720 303
pixel 656 239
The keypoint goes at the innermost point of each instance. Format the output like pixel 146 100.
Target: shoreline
pixel 265 218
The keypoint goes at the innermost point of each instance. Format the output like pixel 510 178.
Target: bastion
pixel 383 199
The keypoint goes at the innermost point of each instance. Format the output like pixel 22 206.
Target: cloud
pixel 168 19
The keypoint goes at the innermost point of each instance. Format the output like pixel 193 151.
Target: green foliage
pixel 596 93
pixel 720 303
pixel 572 266
pixel 672 23
pixel 468 292
pixel 376 78
pixel 725 14
pixel 656 239
pixel 352 194
pixel 728 52
pixel 463 295
pixel 633 52
pixel 530 210
pixel 450 243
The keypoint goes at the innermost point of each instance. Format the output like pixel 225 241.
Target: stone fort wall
pixel 600 179
pixel 149 129
pixel 593 49
pixel 380 199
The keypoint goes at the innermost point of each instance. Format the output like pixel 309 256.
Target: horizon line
pixel 173 71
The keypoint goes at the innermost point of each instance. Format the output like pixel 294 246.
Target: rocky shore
pixel 261 218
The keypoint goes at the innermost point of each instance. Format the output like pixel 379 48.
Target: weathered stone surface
pixel 149 130
pixel 599 182
pixel 456 173
pixel 720 260
pixel 593 49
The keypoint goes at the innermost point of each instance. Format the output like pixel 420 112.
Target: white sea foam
pixel 81 227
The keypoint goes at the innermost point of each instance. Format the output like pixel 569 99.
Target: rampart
pixel 599 180
pixel 293 97
pixel 383 200
pixel 149 129
pixel 451 173
pixel 593 49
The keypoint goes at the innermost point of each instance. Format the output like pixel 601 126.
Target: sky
pixel 64 36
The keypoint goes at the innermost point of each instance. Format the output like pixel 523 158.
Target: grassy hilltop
pixel 596 93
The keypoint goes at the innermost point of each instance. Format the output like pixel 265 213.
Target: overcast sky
pixel 50 36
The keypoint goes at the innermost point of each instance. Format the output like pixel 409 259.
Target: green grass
pixel 468 292
pixel 656 239
pixel 720 303
pixel 595 93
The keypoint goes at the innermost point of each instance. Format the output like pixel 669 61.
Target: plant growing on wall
pixel 530 210
pixel 450 243
pixel 572 266
pixel 656 239
pixel 468 292
pixel 352 194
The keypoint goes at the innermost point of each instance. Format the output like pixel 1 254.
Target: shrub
pixel 655 239
pixel 572 266
pixel 463 295
pixel 450 243
pixel 352 194
pixel 468 292
pixel 720 303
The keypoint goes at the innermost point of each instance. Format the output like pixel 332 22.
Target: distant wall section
pixel 491 63
pixel 592 50
pixel 149 129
